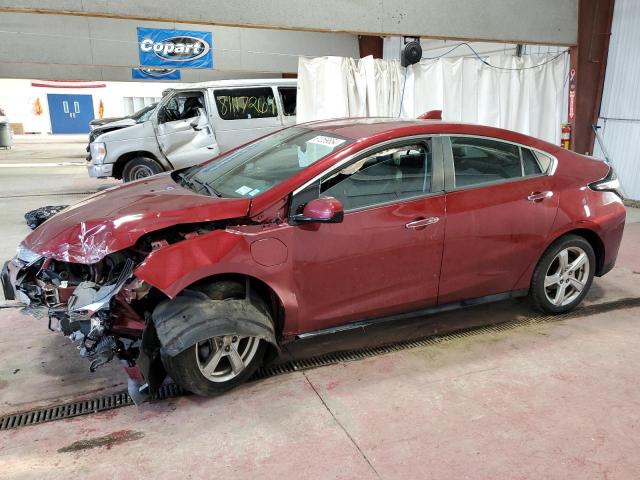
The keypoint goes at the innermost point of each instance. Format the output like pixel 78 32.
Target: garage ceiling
pixel 522 21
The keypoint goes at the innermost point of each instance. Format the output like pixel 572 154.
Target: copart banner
pixel 175 48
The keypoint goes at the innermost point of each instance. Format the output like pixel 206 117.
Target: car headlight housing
pixel 98 151
pixel 27 256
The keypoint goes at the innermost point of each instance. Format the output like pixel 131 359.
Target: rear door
pixel 244 114
pixel 183 129
pixel 384 258
pixel 500 208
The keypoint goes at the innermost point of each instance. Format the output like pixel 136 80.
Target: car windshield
pixel 259 166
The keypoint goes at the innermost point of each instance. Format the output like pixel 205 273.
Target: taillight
pixel 610 183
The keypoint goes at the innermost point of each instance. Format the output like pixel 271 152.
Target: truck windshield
pixel 143 114
pixel 264 163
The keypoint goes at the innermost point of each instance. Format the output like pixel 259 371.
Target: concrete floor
pixel 551 400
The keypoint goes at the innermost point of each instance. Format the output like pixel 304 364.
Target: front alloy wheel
pixel 221 359
pixel 563 275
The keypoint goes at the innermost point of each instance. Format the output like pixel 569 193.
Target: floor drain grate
pixel 122 399
pixel 81 407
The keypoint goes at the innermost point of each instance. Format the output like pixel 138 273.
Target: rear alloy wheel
pixel 564 275
pixel 221 363
pixel 140 167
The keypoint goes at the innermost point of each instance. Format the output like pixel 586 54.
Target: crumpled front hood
pixel 116 218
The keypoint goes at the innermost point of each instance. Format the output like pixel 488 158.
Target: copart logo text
pixel 176 49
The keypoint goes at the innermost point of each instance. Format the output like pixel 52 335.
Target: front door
pixel 183 129
pixel 70 113
pixel 500 210
pixel 384 258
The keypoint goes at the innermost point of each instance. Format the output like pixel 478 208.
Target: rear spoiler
pixel 431 115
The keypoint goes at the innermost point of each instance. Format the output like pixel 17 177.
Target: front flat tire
pixel 218 364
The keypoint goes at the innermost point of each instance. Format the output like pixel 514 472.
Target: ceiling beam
pixel 549 22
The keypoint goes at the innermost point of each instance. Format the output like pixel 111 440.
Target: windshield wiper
pixel 212 191
pixel 191 181
pixel 185 180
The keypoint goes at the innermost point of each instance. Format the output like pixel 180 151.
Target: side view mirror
pixel 323 210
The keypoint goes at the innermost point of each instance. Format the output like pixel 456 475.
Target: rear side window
pixel 544 161
pixel 478 161
pixel 246 103
pixel 530 163
pixel 288 97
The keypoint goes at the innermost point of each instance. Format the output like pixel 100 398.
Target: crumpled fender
pixel 186 320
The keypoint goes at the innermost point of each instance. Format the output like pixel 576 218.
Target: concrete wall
pixel 72 47
pixel 525 21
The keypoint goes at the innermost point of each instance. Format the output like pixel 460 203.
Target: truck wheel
pixel 220 363
pixel 564 275
pixel 140 167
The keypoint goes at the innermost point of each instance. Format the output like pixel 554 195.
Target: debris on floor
pixel 42 214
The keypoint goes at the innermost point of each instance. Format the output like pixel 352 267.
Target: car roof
pixel 366 127
pixel 247 82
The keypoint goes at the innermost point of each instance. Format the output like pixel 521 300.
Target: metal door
pixel 70 113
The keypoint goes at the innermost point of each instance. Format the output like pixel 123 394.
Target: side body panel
pixel 581 208
pixel 175 267
pixel 494 233
pixel 370 265
pixel 137 138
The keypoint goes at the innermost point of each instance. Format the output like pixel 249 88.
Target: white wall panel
pixel 620 108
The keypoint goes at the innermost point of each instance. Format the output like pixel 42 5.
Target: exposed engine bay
pixel 101 307
pixel 96 306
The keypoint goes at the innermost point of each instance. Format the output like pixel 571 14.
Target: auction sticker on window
pixel 328 141
pixel 243 190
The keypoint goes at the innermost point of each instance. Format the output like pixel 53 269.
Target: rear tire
pixel 564 275
pixel 237 357
pixel 140 167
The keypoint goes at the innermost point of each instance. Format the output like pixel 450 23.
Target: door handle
pixel 420 223
pixel 539 196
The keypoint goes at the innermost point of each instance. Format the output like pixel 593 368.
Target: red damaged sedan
pixel 203 273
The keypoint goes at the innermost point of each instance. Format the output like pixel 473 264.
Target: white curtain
pixel 515 93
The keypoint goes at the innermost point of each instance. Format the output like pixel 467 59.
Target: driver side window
pixel 386 176
pixel 182 106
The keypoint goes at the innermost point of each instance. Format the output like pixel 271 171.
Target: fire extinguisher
pixel 565 136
